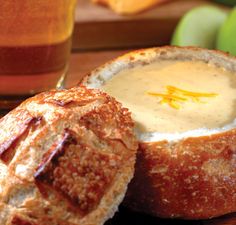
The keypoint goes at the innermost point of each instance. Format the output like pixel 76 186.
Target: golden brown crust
pixel 190 178
pixel 193 178
pixel 61 171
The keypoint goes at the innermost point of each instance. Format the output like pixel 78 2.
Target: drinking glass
pixel 35 45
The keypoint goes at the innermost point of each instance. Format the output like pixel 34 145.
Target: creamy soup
pixel 176 96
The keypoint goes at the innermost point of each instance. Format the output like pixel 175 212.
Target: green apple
pixel 199 27
pixel 226 40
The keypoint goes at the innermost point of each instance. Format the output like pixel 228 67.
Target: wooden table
pixel 83 62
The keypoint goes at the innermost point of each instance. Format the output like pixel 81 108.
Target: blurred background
pixel 105 29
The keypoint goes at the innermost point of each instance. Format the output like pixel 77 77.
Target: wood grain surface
pixel 98 27
pixel 83 62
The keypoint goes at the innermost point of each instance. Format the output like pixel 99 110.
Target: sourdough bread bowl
pixel 183 101
pixel 66 159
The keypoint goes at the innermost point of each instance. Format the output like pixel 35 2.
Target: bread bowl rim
pixel 96 78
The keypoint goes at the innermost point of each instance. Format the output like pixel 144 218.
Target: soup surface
pixel 171 96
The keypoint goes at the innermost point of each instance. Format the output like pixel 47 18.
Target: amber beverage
pixel 35 44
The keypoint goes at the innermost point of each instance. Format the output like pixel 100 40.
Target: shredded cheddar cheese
pixel 175 96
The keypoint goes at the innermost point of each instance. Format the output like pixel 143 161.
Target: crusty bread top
pixel 66 158
pixel 98 77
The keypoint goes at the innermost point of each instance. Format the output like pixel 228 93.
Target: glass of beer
pixel 35 45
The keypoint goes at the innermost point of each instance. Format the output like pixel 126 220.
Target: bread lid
pixel 66 157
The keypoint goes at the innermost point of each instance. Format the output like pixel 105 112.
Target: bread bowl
pixel 186 164
pixel 66 158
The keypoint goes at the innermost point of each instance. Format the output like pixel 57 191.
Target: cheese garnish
pixel 175 95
